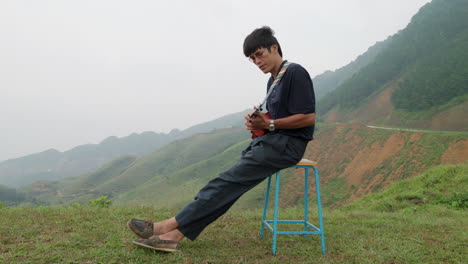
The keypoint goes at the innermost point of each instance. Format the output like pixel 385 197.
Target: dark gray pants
pixel 263 157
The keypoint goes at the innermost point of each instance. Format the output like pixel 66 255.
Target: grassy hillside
pixel 330 80
pixel 54 165
pixel 73 188
pixel 174 189
pixel 354 161
pixel 418 80
pixel 126 173
pixel 175 156
pixel 441 185
pixel 227 121
pixel 434 232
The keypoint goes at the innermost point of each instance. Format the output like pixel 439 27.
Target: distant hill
pixel 328 81
pixel 172 158
pixel 227 121
pixel 354 161
pixel 127 173
pixel 53 165
pixel 67 189
pixel 420 79
pixel 10 196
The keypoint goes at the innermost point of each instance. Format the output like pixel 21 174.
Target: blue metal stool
pixel 306 164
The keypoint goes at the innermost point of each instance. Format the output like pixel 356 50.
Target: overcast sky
pixel 76 72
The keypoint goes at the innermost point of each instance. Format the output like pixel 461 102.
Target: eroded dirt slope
pixel 355 160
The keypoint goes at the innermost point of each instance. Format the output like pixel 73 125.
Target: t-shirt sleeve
pixel 301 95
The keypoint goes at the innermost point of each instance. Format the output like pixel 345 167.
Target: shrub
pixel 456 201
pixel 100 202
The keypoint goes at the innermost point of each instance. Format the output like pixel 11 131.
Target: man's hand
pixel 260 121
pixel 290 122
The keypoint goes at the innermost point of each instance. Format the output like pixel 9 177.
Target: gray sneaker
pixel 157 244
pixel 143 229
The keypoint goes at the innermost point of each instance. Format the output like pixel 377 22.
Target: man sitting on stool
pixel 289 127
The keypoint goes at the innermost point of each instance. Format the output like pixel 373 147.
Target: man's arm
pixel 294 121
pixel 290 122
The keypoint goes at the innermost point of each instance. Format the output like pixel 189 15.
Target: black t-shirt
pixel 293 95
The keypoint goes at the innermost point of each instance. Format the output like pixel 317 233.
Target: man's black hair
pixel 260 38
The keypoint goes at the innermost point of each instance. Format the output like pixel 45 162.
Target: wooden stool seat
pixel 306 162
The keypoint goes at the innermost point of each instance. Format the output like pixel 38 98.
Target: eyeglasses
pixel 259 54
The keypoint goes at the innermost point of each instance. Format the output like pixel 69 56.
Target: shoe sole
pixel 155 248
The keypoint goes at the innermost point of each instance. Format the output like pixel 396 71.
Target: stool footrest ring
pixel 293 222
pixel 316 232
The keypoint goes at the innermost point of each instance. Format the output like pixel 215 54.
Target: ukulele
pixel 258 132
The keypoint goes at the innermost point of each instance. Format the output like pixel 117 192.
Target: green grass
pixel 99 235
pixel 419 220
pixel 336 191
pixel 441 185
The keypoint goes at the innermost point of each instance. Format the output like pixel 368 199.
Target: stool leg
pixel 319 208
pixel 306 199
pixel 265 207
pixel 275 219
